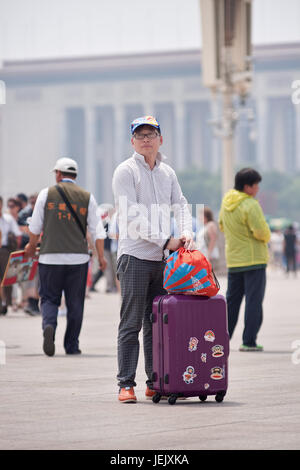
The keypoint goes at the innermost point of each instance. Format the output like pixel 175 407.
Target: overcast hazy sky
pixel 63 28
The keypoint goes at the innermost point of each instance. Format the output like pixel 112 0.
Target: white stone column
pixel 147 99
pixel 262 123
pixel 61 132
pixel 215 113
pixel 90 181
pixel 259 91
pixel 297 150
pixel 119 134
pixel 179 135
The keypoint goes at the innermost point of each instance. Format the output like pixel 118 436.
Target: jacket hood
pixel 233 198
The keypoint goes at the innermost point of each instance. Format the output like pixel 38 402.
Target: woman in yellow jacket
pixel 246 236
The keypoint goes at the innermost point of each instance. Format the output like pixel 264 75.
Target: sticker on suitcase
pixel 203 357
pixel 209 336
pixel 193 343
pixel 217 350
pixel 189 375
pixel 217 373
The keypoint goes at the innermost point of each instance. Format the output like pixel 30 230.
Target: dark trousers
pixel 140 282
pixel 250 284
pixel 70 279
pixel 291 264
pixel 7 290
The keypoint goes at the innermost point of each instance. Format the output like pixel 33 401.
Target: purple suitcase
pixel 190 347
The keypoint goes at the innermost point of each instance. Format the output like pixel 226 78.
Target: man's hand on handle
pixel 30 248
pixel 29 251
pixel 174 244
pixel 188 241
pixel 185 241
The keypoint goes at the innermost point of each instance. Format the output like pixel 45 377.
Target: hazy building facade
pixel 82 108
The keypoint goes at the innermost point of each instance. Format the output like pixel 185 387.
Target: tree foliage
pixel 279 192
pixel 201 187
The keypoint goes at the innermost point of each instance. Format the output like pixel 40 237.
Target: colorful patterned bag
pixel 189 272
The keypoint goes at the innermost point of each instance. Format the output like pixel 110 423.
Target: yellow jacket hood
pixel 233 198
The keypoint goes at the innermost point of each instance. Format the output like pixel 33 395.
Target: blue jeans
pixel 250 284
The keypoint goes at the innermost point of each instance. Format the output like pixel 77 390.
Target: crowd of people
pixel 112 285
pixel 25 296
pixel 14 219
pixel 283 245
pixel 14 236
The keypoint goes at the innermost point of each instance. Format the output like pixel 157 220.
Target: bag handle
pixel 215 278
pixel 66 200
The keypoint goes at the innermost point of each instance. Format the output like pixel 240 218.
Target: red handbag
pixel 190 272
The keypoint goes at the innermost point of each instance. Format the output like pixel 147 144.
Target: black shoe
pixel 33 307
pixel 32 312
pixel 3 310
pixel 77 351
pixel 48 345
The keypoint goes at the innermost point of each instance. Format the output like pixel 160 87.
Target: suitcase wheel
pixel 202 397
pixel 156 398
pixel 172 399
pixel 220 396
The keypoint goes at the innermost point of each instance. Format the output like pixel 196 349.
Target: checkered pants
pixel 141 281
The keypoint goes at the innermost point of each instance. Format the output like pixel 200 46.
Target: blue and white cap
pixel 145 120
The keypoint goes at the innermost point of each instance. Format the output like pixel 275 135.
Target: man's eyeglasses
pixel 149 135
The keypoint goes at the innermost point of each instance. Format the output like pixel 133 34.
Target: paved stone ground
pixel 67 402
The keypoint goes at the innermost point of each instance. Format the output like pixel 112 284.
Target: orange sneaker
pixel 127 395
pixel 149 393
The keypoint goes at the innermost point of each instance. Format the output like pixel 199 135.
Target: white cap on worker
pixel 66 165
